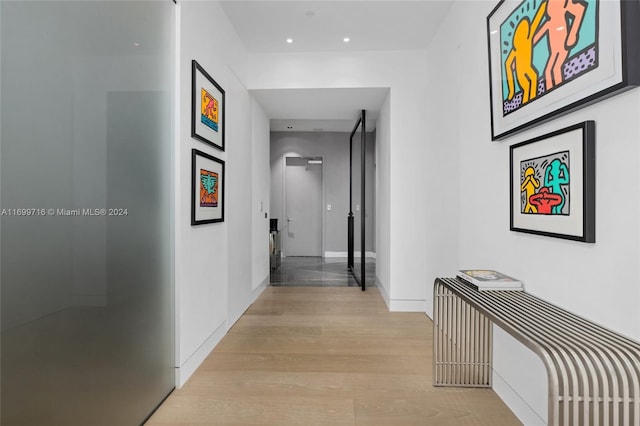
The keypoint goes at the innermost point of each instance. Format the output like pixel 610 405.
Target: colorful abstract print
pixel 208 188
pixel 544 45
pixel 544 185
pixel 209 110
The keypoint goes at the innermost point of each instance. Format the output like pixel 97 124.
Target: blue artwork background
pixel 587 36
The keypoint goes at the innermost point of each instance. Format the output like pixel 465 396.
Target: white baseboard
pixel 259 289
pixel 335 254
pixel 185 371
pixel 254 295
pixel 429 308
pixel 516 404
pixel 383 293
pixel 367 254
pixel 396 305
pixel 191 365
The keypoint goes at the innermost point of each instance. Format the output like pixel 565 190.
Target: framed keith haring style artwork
pixel 207 108
pixel 552 181
pixel 207 188
pixel 548 57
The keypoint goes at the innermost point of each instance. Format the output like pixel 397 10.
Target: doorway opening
pixel 293 179
pixel 316 123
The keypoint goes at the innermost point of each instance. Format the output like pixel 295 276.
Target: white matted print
pixel 553 184
pixel 207 108
pixel 548 57
pixel 207 188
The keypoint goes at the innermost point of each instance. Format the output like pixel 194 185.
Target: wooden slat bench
pixel 593 373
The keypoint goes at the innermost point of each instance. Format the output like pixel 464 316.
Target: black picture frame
pixel 552 184
pixel 207 175
pixel 590 72
pixel 208 122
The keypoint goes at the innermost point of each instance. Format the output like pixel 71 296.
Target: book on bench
pixel 486 279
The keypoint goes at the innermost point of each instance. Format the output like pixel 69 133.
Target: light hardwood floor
pixel 326 356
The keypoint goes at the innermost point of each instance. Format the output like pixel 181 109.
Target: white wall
pixel 442 127
pixel 261 185
pixel 598 281
pixel 383 206
pixel 213 284
pixel 403 268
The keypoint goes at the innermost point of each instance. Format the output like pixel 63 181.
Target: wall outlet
pixel 329 207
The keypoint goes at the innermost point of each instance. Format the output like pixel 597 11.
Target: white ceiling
pixel 264 26
pixel 329 110
pixel 316 26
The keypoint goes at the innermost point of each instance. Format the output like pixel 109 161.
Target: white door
pixel 303 208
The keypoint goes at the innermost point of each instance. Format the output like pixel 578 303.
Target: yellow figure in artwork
pixel 529 187
pixel 520 59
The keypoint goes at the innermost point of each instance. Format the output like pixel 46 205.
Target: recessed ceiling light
pixel 346 39
pixel 289 40
pixel 136 44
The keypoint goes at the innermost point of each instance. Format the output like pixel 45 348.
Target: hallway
pixel 326 356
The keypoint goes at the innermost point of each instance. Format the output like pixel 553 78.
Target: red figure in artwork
pixel 545 200
pixel 210 108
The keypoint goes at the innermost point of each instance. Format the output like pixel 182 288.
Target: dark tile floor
pixel 320 272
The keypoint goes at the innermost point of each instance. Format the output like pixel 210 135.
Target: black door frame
pixel 350 222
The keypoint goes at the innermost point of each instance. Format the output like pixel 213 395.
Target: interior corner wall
pixel 442 124
pixel 597 281
pixel 261 188
pixel 404 73
pixel 213 284
pixel 383 206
